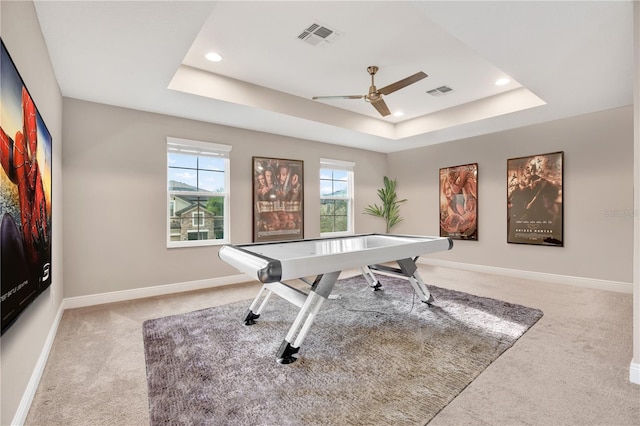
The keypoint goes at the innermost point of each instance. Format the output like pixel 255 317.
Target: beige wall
pixel 115 171
pixel 598 195
pixel 22 344
pixel 115 159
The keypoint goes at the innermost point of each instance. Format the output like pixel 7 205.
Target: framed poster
pixel 278 210
pixel 25 196
pixel 459 202
pixel 535 200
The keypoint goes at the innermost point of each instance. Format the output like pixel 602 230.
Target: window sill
pixel 182 244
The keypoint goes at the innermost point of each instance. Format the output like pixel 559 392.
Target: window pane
pixel 196 218
pixel 340 224
pixel 326 174
pixel 174 220
pixel 326 188
pixel 341 175
pixel 326 223
pixel 218 227
pixel 211 181
pixel 182 160
pixel 340 189
pixel 326 207
pixel 208 162
pixel 215 205
pixel 341 207
pixel 182 179
pixel 196 172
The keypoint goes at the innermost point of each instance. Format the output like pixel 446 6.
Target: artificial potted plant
pixel 390 208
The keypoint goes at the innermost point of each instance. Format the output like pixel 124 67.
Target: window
pixel 336 197
pixel 198 218
pixel 198 193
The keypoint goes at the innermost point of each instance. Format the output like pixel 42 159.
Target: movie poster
pixel 459 202
pixel 535 200
pixel 277 199
pixel 25 196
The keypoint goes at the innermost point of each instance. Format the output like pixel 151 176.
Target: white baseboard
pixel 30 392
pixel 160 290
pixel 634 373
pixel 617 286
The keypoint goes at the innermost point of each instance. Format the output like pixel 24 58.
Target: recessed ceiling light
pixel 213 57
pixel 398 114
pixel 502 81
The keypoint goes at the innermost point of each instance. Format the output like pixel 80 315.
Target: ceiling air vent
pixel 439 91
pixel 317 34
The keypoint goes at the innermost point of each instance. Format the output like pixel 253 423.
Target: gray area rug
pixel 370 358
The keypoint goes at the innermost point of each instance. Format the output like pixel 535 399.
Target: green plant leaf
pixel 389 210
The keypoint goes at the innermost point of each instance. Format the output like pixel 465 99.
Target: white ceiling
pixel 564 59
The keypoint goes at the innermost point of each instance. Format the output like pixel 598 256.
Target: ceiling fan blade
pixel 381 106
pixel 339 97
pixel 402 83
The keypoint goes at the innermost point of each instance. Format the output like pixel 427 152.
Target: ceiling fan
pixel 375 95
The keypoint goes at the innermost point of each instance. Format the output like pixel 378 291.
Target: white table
pixel 275 262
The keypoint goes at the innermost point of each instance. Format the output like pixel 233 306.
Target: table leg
pixel 371 279
pixel 320 291
pixel 407 269
pixel 252 313
pixel 410 270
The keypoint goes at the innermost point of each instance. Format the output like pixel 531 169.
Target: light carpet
pixel 370 358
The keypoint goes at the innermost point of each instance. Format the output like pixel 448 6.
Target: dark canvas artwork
pixel 25 196
pixel 535 200
pixel 278 209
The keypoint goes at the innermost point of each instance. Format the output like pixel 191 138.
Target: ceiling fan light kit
pixel 374 97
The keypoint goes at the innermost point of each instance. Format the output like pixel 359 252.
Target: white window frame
pixel 349 166
pixel 196 147
pixel 197 218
